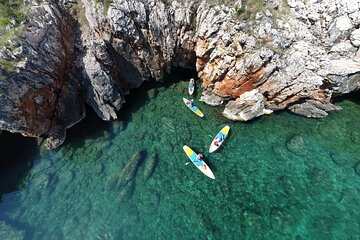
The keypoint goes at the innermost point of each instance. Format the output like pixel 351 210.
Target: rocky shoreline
pixel 253 59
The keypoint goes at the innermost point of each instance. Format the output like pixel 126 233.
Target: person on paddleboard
pixel 219 140
pixel 192 82
pixel 199 157
pixel 191 103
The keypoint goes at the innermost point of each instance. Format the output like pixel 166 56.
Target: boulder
pixel 296 145
pixel 150 165
pixel 128 173
pixel 9 232
pixel 248 106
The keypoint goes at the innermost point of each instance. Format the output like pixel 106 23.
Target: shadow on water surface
pixel 93 127
pixel 17 155
pixel 353 97
pixel 138 97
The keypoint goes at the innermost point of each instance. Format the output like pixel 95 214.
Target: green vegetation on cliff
pixel 11 12
pixel 12 15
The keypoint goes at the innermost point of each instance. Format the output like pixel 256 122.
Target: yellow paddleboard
pixel 201 165
pixel 219 139
pixel 194 108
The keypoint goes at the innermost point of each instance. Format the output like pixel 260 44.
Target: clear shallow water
pixel 278 177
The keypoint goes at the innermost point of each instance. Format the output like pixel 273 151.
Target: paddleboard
pixel 194 108
pixel 222 134
pixel 201 165
pixel 191 86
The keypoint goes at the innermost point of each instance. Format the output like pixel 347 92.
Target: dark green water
pixel 278 177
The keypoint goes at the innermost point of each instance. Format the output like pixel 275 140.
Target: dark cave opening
pixel 17 156
pixel 352 96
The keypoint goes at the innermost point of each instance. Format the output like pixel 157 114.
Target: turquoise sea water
pixel 277 177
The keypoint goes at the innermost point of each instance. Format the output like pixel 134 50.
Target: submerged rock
pixel 339 160
pixel 321 180
pixel 128 173
pixel 280 153
pixel 152 93
pixel 150 165
pixel 126 192
pixel 296 145
pixel 286 55
pixel 357 168
pixel 211 99
pixel 355 137
pixel 41 181
pixel 9 232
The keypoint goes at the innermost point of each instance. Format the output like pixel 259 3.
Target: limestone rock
pixel 314 109
pixel 41 97
pixel 287 55
pixel 248 106
pixel 355 37
pixel 211 99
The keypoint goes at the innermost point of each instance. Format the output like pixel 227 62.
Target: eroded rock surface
pixel 288 54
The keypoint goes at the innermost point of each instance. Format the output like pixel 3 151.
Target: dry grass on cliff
pixel 249 9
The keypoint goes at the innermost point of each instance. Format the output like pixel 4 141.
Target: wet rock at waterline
pixel 248 106
pixel 211 99
pixel 288 55
pixel 153 93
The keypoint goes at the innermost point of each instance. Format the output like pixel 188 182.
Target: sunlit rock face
pixel 298 56
pixel 286 54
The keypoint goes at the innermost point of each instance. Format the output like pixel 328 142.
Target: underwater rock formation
pixel 9 232
pixel 150 166
pixel 129 171
pixel 124 181
pixel 270 56
pixel 296 145
pixel 357 168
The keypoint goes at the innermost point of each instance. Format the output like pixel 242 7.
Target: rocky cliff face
pixel 43 95
pixel 295 55
pixel 253 59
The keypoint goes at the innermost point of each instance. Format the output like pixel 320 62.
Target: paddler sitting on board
pixel 192 82
pixel 218 140
pixel 191 103
pixel 199 157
